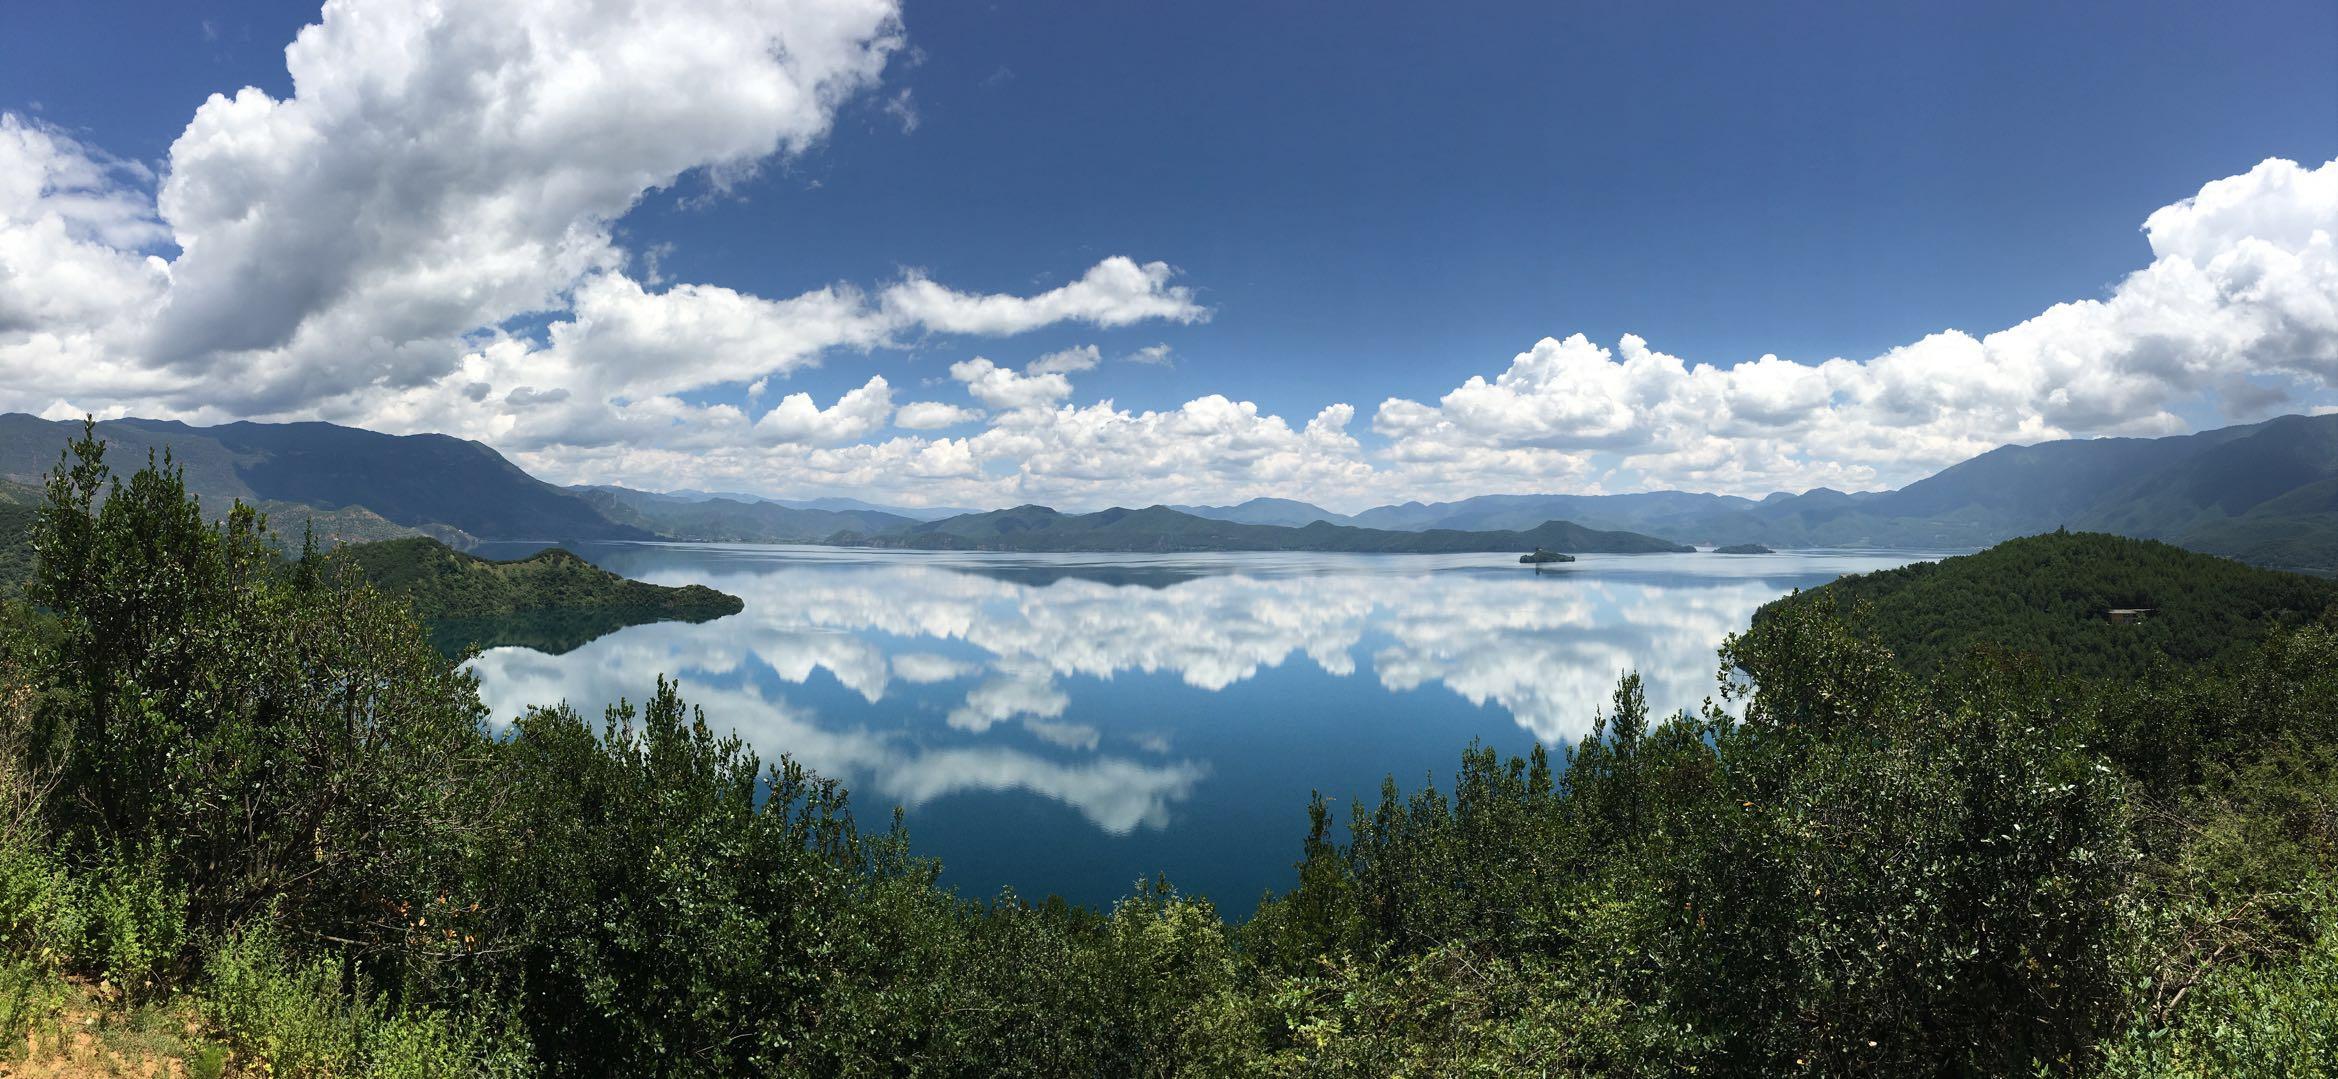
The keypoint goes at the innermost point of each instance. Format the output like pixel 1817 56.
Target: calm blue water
pixel 1070 724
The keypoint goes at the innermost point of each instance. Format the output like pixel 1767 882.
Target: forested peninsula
pixel 552 600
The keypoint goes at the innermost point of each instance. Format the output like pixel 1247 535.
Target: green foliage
pixel 17 557
pixel 299 1018
pixel 444 583
pixel 669 918
pixel 127 920
pixel 264 738
pixel 2046 597
pixel 2244 1021
pixel 553 596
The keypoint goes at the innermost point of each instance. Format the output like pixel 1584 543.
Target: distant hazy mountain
pixel 1662 512
pixel 1268 511
pixel 1161 529
pixel 2260 492
pixel 854 505
pixel 834 503
pixel 429 483
pixel 2266 493
pixel 723 520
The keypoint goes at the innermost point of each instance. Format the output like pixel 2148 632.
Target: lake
pixel 1069 724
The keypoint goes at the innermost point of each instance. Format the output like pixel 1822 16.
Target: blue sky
pixel 1381 201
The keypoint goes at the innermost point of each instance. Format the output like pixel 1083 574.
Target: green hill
pixel 1161 529
pixel 552 599
pixel 2050 596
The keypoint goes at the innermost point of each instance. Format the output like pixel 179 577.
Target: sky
pixel 1088 254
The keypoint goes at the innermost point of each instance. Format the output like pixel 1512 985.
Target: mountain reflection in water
pixel 1068 724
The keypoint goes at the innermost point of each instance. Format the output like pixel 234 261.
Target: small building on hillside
pixel 2120 616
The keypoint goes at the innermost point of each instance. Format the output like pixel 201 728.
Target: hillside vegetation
pixel 248 796
pixel 2049 597
pixel 567 597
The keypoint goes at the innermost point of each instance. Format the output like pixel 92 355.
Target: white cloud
pixel 1005 388
pixel 856 415
pixel 72 279
pixel 1066 361
pixel 933 415
pixel 441 168
pixel 902 107
pixel 927 667
pixel 1157 355
pixel 1115 292
pixel 355 250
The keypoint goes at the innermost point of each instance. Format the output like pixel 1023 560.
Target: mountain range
pixel 1160 528
pixel 375 486
pixel 2266 493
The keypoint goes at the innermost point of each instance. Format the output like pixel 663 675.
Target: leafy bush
pixel 301 1018
pixel 128 922
pixel 288 1016
pixel 2244 1022
pixel 37 916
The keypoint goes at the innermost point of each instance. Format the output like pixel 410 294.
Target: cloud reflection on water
pixel 1006 654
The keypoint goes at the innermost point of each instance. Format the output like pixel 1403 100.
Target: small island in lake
pixel 1743 548
pixel 552 600
pixel 1542 556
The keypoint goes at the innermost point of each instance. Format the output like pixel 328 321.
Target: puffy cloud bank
pixel 423 236
pixel 2243 286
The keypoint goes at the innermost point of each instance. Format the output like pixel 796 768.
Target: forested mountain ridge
pixel 356 485
pixel 1162 529
pixel 2051 598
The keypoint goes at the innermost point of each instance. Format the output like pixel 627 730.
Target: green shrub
pixel 36 904
pixel 2244 1021
pixel 129 922
pixel 288 1015
pixel 299 1018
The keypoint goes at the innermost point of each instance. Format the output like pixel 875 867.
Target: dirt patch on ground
pixel 90 1034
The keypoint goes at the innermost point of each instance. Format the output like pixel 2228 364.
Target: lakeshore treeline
pixel 243 790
